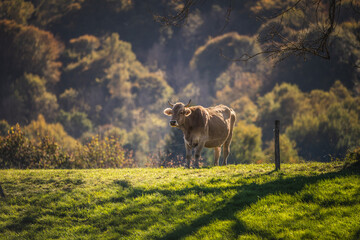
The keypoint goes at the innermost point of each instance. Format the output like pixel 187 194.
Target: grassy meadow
pixel 302 201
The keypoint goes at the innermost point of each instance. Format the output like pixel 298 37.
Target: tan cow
pixel 203 127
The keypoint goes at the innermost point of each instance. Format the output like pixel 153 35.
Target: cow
pixel 203 127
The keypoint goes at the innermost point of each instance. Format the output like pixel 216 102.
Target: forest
pixel 84 82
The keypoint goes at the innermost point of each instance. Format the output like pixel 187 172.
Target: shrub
pixel 4 128
pixel 288 151
pixel 106 153
pixel 246 144
pixel 17 151
pixel 42 151
pixel 353 155
pixel 327 135
pixel 14 149
pixel 75 123
pixel 39 129
pixel 284 102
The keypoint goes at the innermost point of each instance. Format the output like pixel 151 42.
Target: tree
pixel 151 91
pixel 330 128
pixel 27 49
pixel 327 136
pixel 4 128
pixel 210 67
pixel 315 21
pixel 139 143
pixel 110 76
pixel 68 99
pixel 245 109
pixel 246 144
pixel 29 97
pixel 16 10
pixel 29 66
pixel 315 73
pixel 75 122
pixel 284 102
pixel 288 151
pixel 237 81
pixel 39 129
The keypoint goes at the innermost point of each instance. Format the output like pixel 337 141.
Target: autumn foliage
pixel 83 83
pixel 19 151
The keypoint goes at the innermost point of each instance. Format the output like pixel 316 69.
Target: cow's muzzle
pixel 173 123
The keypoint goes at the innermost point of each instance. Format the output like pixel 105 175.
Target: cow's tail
pixel 233 117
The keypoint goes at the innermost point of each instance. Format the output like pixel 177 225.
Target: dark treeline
pixel 81 76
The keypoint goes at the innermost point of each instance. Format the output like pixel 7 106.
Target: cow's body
pixel 204 127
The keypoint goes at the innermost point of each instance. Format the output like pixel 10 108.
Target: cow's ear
pixel 187 112
pixel 168 111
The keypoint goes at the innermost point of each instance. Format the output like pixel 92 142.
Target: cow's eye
pixel 182 112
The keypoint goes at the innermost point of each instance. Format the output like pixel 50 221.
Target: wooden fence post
pixel 2 194
pixel 277 145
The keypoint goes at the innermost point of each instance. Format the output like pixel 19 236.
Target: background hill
pixel 90 68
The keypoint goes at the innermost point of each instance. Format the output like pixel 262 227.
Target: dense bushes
pixel 39 129
pixel 19 151
pixel 330 127
pixel 246 144
pixel 106 153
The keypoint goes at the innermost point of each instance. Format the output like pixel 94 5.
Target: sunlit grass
pixel 314 201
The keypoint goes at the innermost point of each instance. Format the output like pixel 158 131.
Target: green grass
pixel 304 201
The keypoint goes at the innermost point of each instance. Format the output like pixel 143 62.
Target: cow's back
pixel 220 122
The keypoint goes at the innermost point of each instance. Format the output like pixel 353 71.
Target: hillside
pixel 302 201
pixel 78 70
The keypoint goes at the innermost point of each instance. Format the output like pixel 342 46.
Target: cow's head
pixel 178 113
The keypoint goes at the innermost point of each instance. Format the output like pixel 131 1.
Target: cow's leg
pixel 188 155
pixel 217 152
pixel 227 143
pixel 226 151
pixel 198 150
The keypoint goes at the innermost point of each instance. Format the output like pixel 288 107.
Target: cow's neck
pixel 187 126
pixel 196 121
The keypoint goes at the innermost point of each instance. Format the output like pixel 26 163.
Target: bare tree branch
pixel 313 39
pixel 306 44
pixel 355 6
pixel 179 17
pixel 227 16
